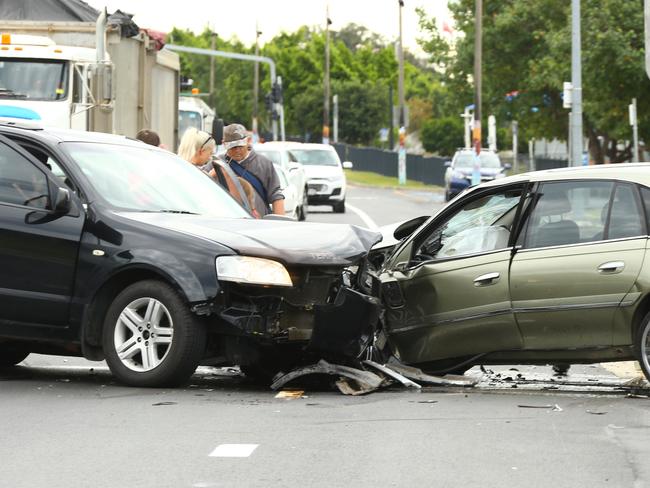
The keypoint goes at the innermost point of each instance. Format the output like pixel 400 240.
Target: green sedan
pixel 544 267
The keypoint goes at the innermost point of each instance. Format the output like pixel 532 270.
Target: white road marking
pixel 233 450
pixel 363 216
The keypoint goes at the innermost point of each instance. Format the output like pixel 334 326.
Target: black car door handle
pixel 487 279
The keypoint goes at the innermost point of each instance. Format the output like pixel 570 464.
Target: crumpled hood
pixel 318 171
pixel 302 243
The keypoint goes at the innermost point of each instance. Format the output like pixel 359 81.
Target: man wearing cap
pixel 254 168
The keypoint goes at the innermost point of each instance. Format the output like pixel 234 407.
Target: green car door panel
pixel 567 296
pixel 454 308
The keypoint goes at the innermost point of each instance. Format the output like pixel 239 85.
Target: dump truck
pixel 89 76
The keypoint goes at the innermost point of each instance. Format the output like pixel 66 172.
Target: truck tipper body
pixel 86 76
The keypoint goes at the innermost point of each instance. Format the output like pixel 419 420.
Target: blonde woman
pixel 196 146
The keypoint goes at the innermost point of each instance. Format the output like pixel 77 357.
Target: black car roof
pixel 56 135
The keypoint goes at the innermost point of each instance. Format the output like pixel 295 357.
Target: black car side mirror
pixel 217 130
pixel 408 227
pixel 62 201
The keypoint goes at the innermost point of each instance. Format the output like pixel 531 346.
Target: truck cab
pixel 43 81
pixel 194 112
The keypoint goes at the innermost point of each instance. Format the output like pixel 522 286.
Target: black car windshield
pixel 316 157
pixel 32 79
pixel 488 160
pixel 148 179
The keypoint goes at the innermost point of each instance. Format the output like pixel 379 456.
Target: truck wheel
pixel 151 338
pixel 339 207
pixel 642 346
pixel 12 353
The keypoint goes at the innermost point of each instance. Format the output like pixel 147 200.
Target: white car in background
pixel 292 195
pixel 281 155
pixel 325 177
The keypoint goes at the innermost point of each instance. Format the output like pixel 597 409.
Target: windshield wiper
pixel 6 92
pixel 187 212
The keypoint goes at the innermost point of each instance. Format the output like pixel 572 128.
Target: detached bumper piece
pixel 346 327
pixel 355 381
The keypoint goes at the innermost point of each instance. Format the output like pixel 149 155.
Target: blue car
pixel 460 170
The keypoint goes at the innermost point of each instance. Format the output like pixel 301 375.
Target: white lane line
pixel 363 216
pixel 233 450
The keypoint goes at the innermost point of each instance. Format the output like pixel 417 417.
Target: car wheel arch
pixel 642 310
pixel 94 312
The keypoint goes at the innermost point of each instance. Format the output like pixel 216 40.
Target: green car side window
pixel 568 213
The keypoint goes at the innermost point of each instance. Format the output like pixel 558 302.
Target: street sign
pixel 566 94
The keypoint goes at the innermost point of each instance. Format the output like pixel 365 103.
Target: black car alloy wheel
pixel 150 336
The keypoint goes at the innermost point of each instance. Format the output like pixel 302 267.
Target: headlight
pixel 255 271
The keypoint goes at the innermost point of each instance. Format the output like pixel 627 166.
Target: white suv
pixel 325 176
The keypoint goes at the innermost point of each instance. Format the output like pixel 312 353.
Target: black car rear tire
pixel 151 338
pixel 642 346
pixel 12 353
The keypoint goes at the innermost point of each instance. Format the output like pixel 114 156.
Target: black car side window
pixel 21 183
pixel 569 213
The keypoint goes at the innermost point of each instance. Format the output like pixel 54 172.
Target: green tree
pixel 527 50
pixel 442 135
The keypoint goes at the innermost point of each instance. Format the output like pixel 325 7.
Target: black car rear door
pixel 38 246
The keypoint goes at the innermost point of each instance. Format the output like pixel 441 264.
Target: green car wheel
pixel 642 346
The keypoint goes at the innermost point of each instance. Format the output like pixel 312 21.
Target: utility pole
pixel 401 157
pixel 576 82
pixel 478 52
pixel 335 104
pixel 256 85
pixel 213 40
pixel 391 127
pixel 326 81
pixel 635 131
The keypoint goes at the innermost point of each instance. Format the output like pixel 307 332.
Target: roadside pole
pixel 335 118
pixel 478 51
pixel 256 85
pixel 326 80
pixel 515 137
pixel 635 131
pixel 576 85
pixel 401 156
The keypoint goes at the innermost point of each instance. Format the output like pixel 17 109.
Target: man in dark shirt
pixel 254 168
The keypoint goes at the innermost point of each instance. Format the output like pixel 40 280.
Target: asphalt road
pixel 64 422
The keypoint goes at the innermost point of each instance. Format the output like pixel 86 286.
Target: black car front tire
pixel 151 338
pixel 339 207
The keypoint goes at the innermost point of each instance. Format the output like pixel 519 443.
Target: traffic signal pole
pixel 241 57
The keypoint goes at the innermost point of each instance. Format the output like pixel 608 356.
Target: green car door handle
pixel 487 279
pixel 611 267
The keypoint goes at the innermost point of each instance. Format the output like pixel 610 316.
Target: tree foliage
pixel 362 68
pixel 527 57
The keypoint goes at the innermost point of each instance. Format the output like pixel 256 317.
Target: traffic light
pixel 268 101
pixel 276 91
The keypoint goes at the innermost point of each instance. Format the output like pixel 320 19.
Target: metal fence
pixel 429 170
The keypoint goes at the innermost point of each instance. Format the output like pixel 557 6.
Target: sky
pixel 229 18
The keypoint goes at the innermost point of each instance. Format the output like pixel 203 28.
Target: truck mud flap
pixel 346 327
